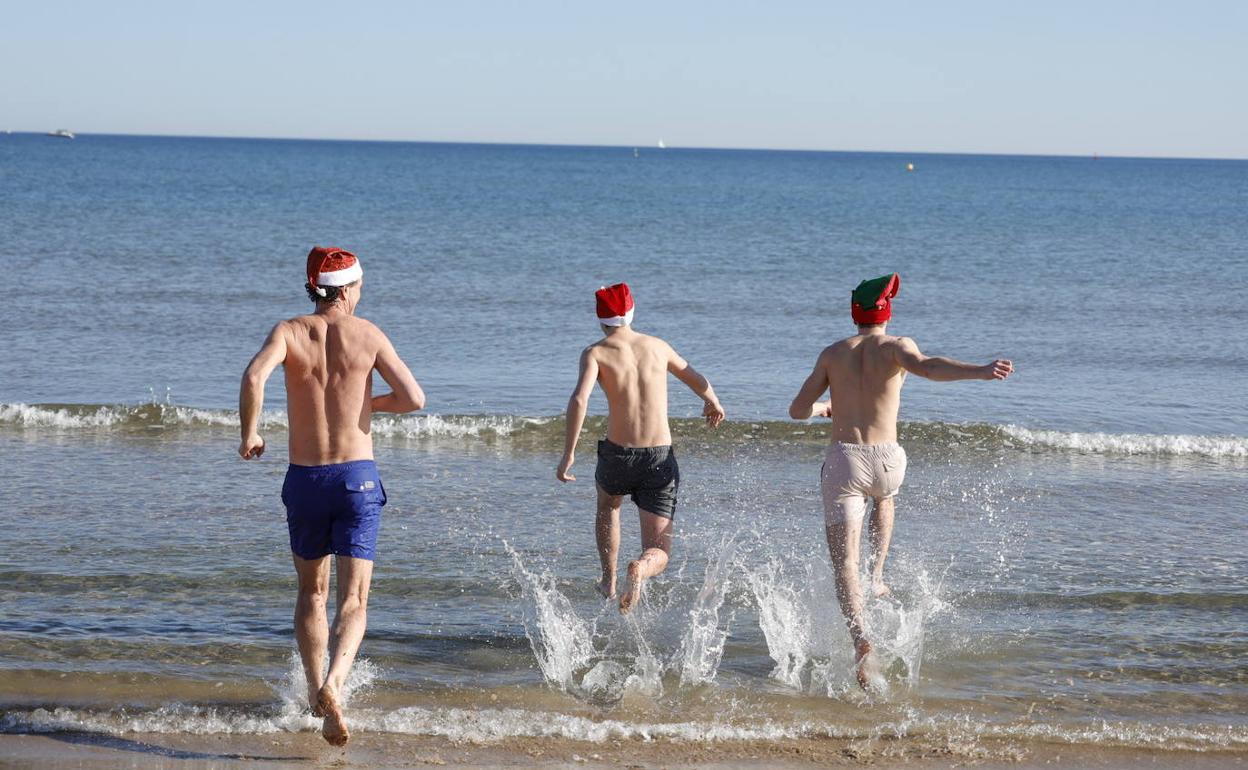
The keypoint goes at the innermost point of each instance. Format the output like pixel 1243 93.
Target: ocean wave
pixel 1130 443
pixel 492 725
pixel 547 432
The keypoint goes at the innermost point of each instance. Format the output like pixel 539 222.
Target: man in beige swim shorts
pixel 865 373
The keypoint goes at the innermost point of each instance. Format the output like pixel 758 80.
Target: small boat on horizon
pixel 62 133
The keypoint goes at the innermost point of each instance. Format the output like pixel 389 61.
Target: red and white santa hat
pixel 332 266
pixel 615 305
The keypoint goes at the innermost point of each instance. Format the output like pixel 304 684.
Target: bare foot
pixel 630 599
pixel 606 588
pixel 879 589
pixel 313 700
pixel 334 728
pixel 864 659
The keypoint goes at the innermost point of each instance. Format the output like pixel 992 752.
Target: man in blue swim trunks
pixel 636 457
pixel 333 494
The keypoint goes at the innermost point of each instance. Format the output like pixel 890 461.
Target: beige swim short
pixel 853 472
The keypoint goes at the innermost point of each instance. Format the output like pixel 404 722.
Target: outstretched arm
pixel 405 393
pixel 910 358
pixel 806 403
pixel 578 405
pixel 251 391
pixel 683 371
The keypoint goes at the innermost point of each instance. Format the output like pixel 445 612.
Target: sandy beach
pixel 383 752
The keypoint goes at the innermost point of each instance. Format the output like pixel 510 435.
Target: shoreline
pixel 58 751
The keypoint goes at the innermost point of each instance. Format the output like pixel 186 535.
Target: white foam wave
pixel 163 415
pixel 28 416
pixel 491 725
pixel 146 415
pixel 1130 443
pixel 452 426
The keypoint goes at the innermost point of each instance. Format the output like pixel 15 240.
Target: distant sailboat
pixel 662 145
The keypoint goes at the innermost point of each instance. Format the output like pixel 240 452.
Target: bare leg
pixel 311 626
pixel 656 544
pixel 607 530
pixel 843 543
pixel 354 576
pixel 880 530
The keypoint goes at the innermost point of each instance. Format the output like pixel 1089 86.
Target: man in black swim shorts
pixel 636 458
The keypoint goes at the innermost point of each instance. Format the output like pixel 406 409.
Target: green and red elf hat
pixel 871 303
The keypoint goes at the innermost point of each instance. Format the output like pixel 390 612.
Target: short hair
pixel 331 292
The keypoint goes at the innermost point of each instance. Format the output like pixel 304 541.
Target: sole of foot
pixel 334 728
pixel 632 596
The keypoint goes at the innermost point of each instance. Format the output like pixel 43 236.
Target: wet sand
pixel 89 751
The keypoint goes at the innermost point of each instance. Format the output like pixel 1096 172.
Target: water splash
pixel 293 710
pixel 702 646
pixel 603 658
pixel 562 641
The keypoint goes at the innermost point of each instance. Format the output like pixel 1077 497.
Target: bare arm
pixel 806 403
pixel 251 391
pixel 910 358
pixel 578 405
pixel 684 371
pixel 405 393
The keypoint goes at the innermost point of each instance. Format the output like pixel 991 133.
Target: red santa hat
pixel 615 305
pixel 332 266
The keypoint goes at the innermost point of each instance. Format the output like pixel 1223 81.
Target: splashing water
pixel 294 712
pixel 702 647
pixel 602 660
pixel 562 642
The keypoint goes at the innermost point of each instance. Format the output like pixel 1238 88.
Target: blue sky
pixel 1115 78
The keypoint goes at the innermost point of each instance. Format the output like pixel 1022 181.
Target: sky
pixel 1058 77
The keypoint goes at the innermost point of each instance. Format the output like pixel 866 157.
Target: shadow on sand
pixel 103 740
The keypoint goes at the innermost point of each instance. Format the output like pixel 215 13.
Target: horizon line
pixel 651 147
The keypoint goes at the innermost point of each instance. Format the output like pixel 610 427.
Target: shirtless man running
pixel 636 457
pixel 333 494
pixel 865 373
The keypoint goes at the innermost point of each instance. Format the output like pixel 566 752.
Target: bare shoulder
pixel 299 325
pixel 593 348
pixel 903 344
pixel 835 349
pixel 658 344
pixel 365 330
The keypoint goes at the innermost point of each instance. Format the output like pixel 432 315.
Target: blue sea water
pixel 1117 285
pixel 1072 537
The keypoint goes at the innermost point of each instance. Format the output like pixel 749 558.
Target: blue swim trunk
pixel 333 509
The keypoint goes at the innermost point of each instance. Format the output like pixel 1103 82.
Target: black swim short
pixel 649 474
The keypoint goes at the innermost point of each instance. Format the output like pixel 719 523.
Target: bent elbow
pixel 796 413
pixel 417 403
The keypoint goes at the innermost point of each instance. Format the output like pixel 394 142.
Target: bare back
pixel 329 365
pixel 865 379
pixel 632 370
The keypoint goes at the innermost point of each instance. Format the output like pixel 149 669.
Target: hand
pixel 714 413
pixel 998 370
pixel 251 447
pixel 565 465
pixel 822 409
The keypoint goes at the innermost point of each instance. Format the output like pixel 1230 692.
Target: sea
pixel 1070 559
